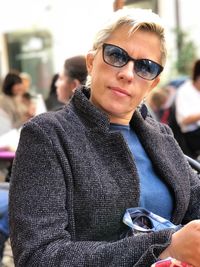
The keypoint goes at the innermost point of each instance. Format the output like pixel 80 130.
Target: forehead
pixel 62 74
pixel 18 85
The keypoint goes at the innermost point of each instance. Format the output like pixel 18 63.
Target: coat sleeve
pixel 193 211
pixel 39 218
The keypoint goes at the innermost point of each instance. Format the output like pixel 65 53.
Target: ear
pixel 155 82
pixel 153 85
pixel 89 61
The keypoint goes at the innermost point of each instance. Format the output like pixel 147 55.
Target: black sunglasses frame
pixel 129 58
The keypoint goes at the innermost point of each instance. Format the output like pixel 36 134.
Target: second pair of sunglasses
pixel 117 57
pixel 141 220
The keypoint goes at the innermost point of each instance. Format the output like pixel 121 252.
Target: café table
pixel 7 155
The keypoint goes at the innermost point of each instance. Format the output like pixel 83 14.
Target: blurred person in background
pixel 29 101
pixel 27 81
pixel 16 104
pixel 187 106
pixel 11 107
pixel 9 139
pixel 157 102
pixel 72 76
pixel 52 102
pixel 16 107
pixel 38 98
pixel 161 105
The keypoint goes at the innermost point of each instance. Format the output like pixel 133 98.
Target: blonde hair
pixel 137 19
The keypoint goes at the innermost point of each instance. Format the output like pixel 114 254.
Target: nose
pixel 127 72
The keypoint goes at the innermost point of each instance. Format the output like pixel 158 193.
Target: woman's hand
pixel 185 245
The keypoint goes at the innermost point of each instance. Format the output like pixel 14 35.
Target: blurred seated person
pixel 187 105
pixel 27 81
pixel 11 107
pixel 40 105
pixel 52 102
pixel 156 102
pixel 9 140
pixel 72 76
pixel 29 101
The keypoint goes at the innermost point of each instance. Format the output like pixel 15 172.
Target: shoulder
pixel 185 88
pixel 63 120
pixel 6 100
pixel 159 126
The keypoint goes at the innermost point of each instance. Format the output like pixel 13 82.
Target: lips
pixel 120 91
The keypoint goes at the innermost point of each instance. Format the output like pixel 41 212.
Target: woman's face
pixel 118 91
pixel 18 89
pixel 64 88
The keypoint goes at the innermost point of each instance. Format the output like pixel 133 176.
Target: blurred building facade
pixel 36 36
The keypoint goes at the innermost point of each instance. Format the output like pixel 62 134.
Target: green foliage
pixel 186 53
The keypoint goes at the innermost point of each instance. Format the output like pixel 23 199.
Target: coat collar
pixel 97 117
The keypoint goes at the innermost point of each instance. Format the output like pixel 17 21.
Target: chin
pixel 115 110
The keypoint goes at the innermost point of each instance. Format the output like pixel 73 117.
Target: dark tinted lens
pixel 114 56
pixel 143 221
pixel 147 69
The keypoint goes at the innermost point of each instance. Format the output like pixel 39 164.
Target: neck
pixel 121 121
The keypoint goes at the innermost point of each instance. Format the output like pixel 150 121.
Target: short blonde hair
pixel 137 19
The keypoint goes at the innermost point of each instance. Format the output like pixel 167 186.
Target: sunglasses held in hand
pixel 117 57
pixel 141 220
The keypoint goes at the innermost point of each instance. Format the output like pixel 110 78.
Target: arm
pixel 191 119
pixel 5 122
pixel 187 111
pixel 185 244
pixel 40 222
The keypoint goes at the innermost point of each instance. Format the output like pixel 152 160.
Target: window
pixel 151 4
pixel 31 52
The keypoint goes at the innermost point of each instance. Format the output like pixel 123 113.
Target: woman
pixel 11 107
pixel 52 102
pixel 74 74
pixel 99 156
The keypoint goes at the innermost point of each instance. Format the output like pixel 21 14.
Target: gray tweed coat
pixel 72 181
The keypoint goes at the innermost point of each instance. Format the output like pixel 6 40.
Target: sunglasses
pixel 140 220
pixel 117 57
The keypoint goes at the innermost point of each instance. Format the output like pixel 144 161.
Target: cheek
pixel 98 66
pixel 60 90
pixel 101 73
pixel 61 85
pixel 148 85
pixel 139 93
pixel 16 89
